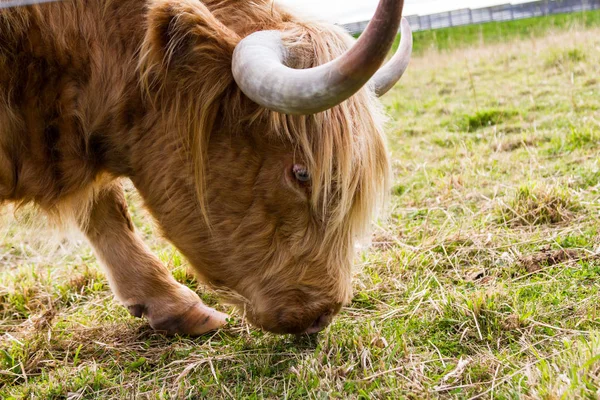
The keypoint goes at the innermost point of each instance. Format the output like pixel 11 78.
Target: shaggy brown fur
pixel 92 91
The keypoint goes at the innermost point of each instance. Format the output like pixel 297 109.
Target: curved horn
pixel 260 71
pixel 390 74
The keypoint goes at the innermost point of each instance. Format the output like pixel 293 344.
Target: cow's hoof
pixel 196 320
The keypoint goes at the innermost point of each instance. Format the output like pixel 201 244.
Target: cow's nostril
pixel 320 323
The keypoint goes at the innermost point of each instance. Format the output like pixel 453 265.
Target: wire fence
pixel 504 12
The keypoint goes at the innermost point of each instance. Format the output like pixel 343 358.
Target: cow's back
pixel 65 70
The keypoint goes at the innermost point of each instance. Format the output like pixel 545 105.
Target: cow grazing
pixel 253 136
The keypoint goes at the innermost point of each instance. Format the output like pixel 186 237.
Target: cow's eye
pixel 301 173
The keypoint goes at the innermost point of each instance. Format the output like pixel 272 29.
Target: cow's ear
pixel 183 36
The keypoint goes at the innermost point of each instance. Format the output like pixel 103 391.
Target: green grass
pixel 481 119
pixel 482 279
pixel 498 32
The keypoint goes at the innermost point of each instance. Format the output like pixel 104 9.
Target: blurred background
pixel 443 25
pixel 349 11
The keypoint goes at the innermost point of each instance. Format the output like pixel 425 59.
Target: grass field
pixel 482 282
pixel 496 32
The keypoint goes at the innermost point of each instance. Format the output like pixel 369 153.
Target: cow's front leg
pixel 138 279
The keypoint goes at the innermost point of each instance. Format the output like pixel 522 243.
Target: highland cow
pixel 253 136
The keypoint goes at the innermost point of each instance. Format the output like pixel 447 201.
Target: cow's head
pixel 285 135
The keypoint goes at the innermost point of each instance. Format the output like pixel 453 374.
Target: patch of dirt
pixel 44 320
pixel 539 205
pixel 511 323
pixel 515 144
pixel 382 241
pixel 512 129
pixel 547 258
